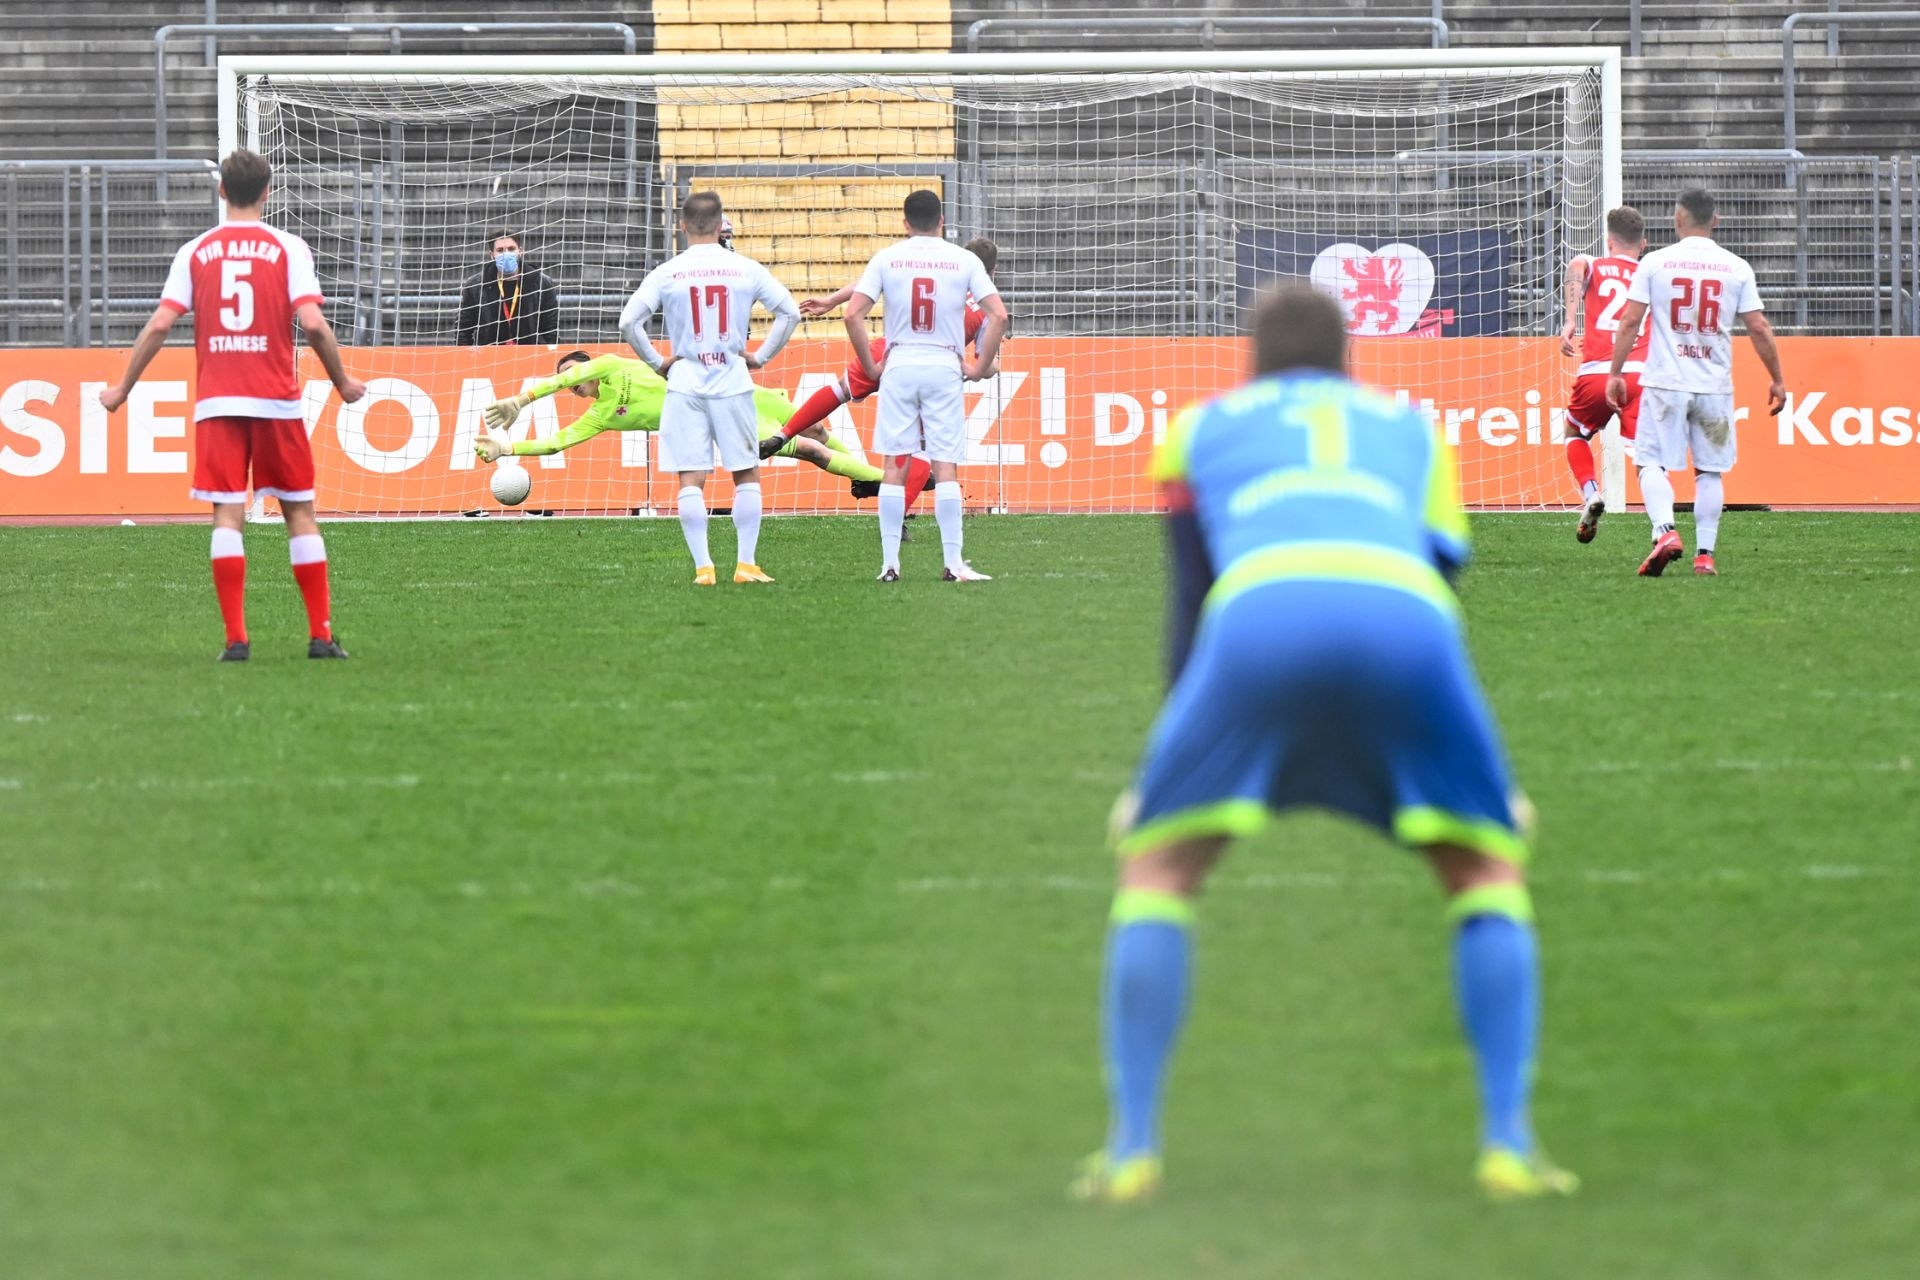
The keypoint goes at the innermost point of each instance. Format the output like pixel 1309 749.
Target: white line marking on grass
pixel 28 717
pixel 1781 764
pixel 877 775
pixel 616 887
pixel 9 784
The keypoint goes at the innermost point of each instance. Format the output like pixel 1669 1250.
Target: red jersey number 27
pixel 716 302
pixel 1701 298
pixel 922 314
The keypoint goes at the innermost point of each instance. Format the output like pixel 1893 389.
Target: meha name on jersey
pixel 1608 280
pixel 1693 289
pixel 243 281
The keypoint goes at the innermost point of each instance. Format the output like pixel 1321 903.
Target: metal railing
pixel 1634 29
pixel 395 33
pixel 66 223
pixel 1209 28
pixel 1833 20
pixel 1835 239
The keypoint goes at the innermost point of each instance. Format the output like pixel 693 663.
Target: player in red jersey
pixel 1597 289
pixel 854 385
pixel 247 283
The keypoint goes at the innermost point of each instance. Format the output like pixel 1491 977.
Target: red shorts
pixel 1588 410
pixel 855 385
pixel 275 449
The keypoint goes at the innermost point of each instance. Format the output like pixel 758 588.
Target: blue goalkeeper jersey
pixel 1310 476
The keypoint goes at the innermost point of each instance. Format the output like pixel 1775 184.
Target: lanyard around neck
pixel 508 308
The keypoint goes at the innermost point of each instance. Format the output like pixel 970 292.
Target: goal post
pixel 1138 201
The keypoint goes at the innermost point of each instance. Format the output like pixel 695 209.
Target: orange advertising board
pixel 1067 426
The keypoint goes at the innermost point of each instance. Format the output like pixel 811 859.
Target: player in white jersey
pixel 706 295
pixel 1689 292
pixel 925 282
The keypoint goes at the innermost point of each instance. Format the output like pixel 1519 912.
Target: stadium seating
pixel 77 84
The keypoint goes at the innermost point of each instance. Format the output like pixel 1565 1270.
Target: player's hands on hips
pixel 1566 341
pixel 772 445
pixel 501 414
pixel 1776 398
pixel 112 398
pixel 354 389
pixel 493 446
pixel 979 372
pixel 754 362
pixel 1617 391
pixel 814 307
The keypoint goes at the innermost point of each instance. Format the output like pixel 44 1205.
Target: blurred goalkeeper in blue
pixel 1317 659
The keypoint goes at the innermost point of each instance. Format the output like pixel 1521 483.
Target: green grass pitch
pixel 588 926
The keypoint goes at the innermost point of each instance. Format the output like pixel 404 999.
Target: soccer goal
pixel 1138 203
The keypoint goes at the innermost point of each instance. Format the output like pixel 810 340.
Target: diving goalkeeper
pixel 627 396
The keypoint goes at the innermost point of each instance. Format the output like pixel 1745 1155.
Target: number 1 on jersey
pixel 716 301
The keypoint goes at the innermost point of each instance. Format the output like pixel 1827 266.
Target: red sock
pixel 309 554
pixel 230 584
pixel 919 471
pixel 1580 461
pixel 815 410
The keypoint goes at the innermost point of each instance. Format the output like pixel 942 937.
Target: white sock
pixel 946 511
pixel 746 521
pixel 307 548
pixel 228 542
pixel 1709 500
pixel 1587 490
pixel 1657 491
pixel 693 523
pixel 893 516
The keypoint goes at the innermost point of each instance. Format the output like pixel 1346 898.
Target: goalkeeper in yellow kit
pixel 627 396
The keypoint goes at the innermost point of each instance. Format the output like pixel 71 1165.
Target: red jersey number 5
pixel 922 313
pixel 716 302
pixel 1702 298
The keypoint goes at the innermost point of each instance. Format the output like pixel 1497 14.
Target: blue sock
pixel 1497 982
pixel 1149 957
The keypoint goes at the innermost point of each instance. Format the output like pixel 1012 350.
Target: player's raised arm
pixel 786 318
pixel 820 306
pixel 1575 290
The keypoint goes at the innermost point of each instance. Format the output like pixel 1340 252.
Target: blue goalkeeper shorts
pixel 1346 696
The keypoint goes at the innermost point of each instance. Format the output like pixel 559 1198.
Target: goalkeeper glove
pixel 493 446
pixel 501 413
pixel 772 445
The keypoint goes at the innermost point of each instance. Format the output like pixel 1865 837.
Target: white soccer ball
pixel 511 485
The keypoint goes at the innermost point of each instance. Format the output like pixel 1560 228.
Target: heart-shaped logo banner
pixel 1381 291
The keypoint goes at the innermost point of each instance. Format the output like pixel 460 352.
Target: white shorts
pixel 693 428
pixel 1675 423
pixel 923 409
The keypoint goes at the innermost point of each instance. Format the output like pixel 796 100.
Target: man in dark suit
pixel 508 301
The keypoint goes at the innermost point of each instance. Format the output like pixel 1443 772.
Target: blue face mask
pixel 507 262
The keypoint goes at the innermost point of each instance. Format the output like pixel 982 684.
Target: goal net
pixel 1137 209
